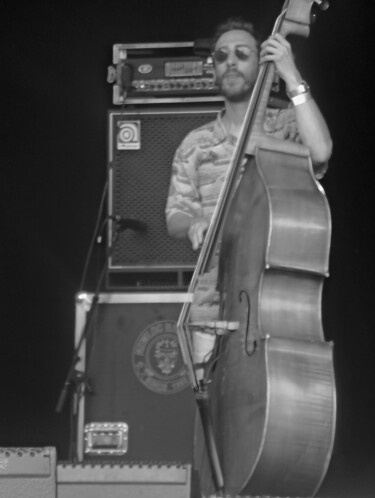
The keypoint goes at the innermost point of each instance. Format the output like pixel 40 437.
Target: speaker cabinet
pixel 142 143
pixel 28 472
pixel 139 405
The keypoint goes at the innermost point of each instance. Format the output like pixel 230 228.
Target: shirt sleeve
pixel 183 195
pixel 281 123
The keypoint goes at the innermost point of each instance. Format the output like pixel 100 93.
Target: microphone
pixel 128 223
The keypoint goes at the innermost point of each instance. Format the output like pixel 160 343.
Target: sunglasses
pixel 220 55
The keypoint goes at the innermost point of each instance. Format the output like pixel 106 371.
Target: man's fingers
pixel 196 234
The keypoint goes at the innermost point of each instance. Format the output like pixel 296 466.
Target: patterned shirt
pixel 202 160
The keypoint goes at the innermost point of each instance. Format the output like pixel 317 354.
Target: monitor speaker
pixel 28 472
pixel 103 480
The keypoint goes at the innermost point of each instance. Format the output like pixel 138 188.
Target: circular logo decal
pixel 128 132
pixel 157 359
pixel 145 68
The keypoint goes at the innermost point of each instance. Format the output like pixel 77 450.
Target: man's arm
pixel 311 124
pixel 183 210
pixel 181 225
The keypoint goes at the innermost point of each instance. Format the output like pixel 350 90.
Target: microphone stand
pixel 76 380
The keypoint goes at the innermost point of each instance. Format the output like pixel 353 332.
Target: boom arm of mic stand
pixel 95 235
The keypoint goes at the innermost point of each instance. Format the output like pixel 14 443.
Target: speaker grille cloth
pixel 140 187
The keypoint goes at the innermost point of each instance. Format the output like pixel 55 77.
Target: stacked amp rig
pixel 136 416
pixel 163 91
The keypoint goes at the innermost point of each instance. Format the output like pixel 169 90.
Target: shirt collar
pixel 221 134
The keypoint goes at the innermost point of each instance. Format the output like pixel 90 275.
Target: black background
pixel 54 104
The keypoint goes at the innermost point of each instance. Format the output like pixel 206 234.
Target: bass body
pixel 273 390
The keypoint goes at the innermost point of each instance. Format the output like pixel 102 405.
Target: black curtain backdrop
pixel 54 105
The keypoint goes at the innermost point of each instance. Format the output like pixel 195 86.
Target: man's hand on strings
pixel 197 231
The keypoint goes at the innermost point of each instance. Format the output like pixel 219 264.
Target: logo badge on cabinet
pixel 157 360
pixel 129 135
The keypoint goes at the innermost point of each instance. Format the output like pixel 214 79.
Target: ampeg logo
pixel 145 68
pixel 129 135
pixel 157 359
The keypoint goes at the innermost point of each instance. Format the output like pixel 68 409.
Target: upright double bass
pixel 268 411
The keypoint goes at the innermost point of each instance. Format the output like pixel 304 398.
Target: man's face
pixel 236 64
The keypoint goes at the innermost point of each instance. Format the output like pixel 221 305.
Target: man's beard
pixel 241 93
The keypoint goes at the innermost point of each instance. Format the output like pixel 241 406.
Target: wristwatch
pixel 303 87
